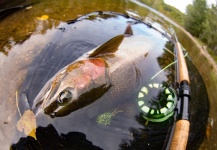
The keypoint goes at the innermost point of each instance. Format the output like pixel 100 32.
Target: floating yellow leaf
pixel 27 123
pixel 43 17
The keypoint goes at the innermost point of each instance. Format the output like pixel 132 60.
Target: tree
pixel 209 34
pixel 196 16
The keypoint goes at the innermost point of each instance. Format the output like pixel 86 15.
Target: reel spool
pixel 157 102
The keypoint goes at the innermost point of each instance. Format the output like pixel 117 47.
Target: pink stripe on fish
pixel 88 71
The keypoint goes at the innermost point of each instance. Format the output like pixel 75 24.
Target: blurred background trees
pixel 200 19
pixel 201 22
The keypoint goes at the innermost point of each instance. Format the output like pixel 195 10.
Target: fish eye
pixel 64 97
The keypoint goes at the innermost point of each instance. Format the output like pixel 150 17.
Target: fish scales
pixel 125 64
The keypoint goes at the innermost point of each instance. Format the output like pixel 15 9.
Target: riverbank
pixel 203 51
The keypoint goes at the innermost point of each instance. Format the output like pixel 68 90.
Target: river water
pixel 27 39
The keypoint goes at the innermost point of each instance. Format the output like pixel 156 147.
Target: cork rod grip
pixel 180 137
pixel 183 72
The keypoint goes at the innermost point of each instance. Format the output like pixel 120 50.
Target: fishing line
pixel 186 53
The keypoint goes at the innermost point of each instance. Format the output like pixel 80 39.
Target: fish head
pixel 74 87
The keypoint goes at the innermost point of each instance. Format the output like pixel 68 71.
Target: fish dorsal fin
pixel 128 31
pixel 110 46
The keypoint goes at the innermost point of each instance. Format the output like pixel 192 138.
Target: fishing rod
pixel 180 131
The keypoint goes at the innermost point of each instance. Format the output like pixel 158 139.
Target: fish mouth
pixel 51 109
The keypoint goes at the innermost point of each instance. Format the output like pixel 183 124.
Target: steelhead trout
pixel 112 67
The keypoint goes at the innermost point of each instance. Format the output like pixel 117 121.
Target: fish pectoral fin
pixel 110 46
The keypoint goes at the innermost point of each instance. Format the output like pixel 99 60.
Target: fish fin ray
pixel 109 47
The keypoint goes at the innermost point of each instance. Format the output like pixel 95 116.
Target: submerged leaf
pixel 105 119
pixel 43 17
pixel 27 123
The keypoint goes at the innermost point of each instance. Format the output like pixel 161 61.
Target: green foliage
pixel 201 22
pixel 148 2
pixel 174 14
pixel 196 15
pixel 168 10
pixel 209 33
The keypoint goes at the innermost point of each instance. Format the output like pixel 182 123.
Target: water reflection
pixel 148 137
pixel 58 48
pixel 166 59
pixel 152 136
pixel 87 117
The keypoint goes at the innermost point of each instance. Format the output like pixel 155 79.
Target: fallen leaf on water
pixel 105 119
pixel 27 123
pixel 43 17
